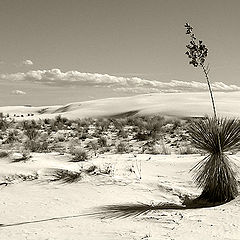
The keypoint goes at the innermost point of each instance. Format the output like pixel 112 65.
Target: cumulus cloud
pixel 27 62
pixel 18 92
pixel 125 84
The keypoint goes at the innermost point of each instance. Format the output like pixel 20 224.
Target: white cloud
pixel 18 92
pixel 27 62
pixel 126 84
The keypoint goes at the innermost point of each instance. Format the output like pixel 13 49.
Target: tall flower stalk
pixel 197 52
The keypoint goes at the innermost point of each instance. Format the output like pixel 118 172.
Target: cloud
pixel 27 62
pixel 18 92
pixel 122 84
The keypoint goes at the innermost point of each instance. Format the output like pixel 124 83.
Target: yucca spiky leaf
pixel 210 133
pixel 215 174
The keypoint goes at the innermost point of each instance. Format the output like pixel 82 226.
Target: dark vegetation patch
pixel 87 137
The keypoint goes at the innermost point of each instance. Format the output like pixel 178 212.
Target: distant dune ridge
pixel 167 104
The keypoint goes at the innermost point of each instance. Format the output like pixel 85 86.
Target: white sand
pixel 168 104
pixel 163 179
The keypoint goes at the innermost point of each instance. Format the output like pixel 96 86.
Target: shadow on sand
pixel 124 211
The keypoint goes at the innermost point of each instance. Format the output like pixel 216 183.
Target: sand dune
pixel 168 104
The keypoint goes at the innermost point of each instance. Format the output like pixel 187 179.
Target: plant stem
pixel 210 90
pixel 213 104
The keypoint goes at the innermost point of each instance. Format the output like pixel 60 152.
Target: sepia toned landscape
pixel 119 120
pixel 58 172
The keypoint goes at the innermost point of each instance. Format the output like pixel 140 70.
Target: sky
pixel 61 51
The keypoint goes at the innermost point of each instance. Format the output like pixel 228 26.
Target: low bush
pixel 122 148
pixel 79 155
pixel 187 150
pixel 3 154
pixel 36 146
pixel 65 176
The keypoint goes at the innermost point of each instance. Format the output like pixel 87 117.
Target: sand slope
pixel 168 104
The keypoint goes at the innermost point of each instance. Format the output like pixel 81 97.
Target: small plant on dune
pixel 102 141
pixel 31 133
pixel 3 123
pixel 216 136
pixel 187 150
pixel 3 154
pixel 79 155
pixel 12 136
pixel 65 176
pixel 122 148
pixel 36 145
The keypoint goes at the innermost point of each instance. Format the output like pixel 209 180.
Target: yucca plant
pixel 215 174
pixel 215 136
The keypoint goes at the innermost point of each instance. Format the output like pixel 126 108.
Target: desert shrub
pixel 142 136
pixel 117 123
pixel 93 145
pixel 122 148
pixel 122 133
pixel 102 141
pixel 3 154
pixel 86 122
pixel 215 174
pixel 59 122
pixel 20 177
pixel 3 124
pixel 47 121
pixel 161 149
pixel 151 147
pixel 187 150
pixel 103 124
pixel 137 121
pixel 59 137
pixel 31 133
pixel 29 124
pixel 12 136
pixel 154 123
pixel 36 146
pixel 79 155
pixel 65 176
pixel 176 124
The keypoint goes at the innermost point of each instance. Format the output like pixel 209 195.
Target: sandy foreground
pixel 41 210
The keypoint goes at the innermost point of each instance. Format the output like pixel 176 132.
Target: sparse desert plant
pixel 3 154
pixel 93 145
pixel 217 136
pixel 160 149
pixel 142 135
pixel 12 136
pixel 122 148
pixel 3 123
pixel 79 155
pixel 187 150
pixel 103 124
pixel 31 133
pixel 65 176
pixel 36 145
pixel 102 141
pixel 20 177
pixel 122 133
